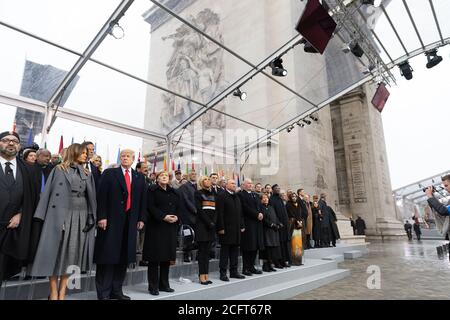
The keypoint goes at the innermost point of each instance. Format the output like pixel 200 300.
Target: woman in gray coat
pixel 66 207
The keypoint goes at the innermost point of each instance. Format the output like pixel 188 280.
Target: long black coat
pixel 333 221
pixel 317 223
pixel 205 226
pixel 294 215
pixel 96 174
pixel 360 227
pixel 15 243
pixel 271 237
pixel 188 211
pixel 229 218
pixel 280 209
pixel 253 236
pixel 160 242
pixel 111 201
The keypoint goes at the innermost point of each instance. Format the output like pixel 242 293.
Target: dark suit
pixel 115 247
pixel 188 211
pixel 253 236
pixel 20 197
pixel 95 173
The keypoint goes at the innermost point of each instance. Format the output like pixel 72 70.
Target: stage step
pixel 283 283
pixel 335 257
pixel 353 254
pixel 338 250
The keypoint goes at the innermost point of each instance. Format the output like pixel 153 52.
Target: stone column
pixel 364 187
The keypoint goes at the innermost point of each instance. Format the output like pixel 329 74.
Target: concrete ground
pixel 408 270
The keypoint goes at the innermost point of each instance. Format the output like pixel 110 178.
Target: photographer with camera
pixel 442 220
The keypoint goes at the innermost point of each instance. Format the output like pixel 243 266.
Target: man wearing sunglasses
pixel 19 191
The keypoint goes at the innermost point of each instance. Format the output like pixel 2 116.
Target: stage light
pixel 290 128
pixel 277 68
pixel 301 125
pixel 356 49
pixel 238 93
pixel 368 2
pixel 309 48
pixel 314 118
pixel 406 70
pixel 369 69
pixel 307 122
pixel 116 31
pixel 433 58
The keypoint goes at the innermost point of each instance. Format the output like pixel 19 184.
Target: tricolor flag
pixel 30 139
pixel 165 163
pixel 73 140
pixel 14 126
pixel 107 155
pixel 61 145
pixel 206 170
pixel 154 163
pixel 118 156
pixel 139 156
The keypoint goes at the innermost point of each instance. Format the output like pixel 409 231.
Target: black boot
pixel 186 257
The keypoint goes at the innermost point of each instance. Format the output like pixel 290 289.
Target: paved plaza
pixel 409 270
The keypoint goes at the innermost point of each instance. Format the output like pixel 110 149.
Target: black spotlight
pixel 307 122
pixel 301 125
pixel 433 58
pixel 314 118
pixel 309 48
pixel 238 93
pixel 277 68
pixel 368 2
pixel 356 49
pixel 406 70
pixel 289 129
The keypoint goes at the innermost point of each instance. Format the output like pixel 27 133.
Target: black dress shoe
pixel 246 272
pixel 278 266
pixel 237 276
pixel 154 292
pixel 119 297
pixel 272 269
pixel 256 271
pixel 167 289
pixel 224 278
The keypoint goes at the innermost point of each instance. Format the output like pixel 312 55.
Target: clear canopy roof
pixel 122 83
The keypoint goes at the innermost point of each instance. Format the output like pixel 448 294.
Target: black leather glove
pixel 90 223
pixel 274 226
pixel 280 226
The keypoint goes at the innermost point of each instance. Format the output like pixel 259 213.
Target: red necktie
pixel 128 183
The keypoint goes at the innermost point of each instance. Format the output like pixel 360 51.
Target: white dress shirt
pixel 13 165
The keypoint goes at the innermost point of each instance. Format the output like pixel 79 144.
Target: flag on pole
pixel 206 170
pixel 107 155
pixel 45 145
pixel 238 181
pixel 193 165
pixel 118 156
pixel 154 162
pixel 165 163
pixel 61 145
pixel 73 140
pixel 139 156
pixel 187 168
pixel 95 147
pixel 173 164
pixel 30 139
pixel 14 126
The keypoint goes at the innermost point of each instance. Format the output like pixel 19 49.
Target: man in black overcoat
pixel 89 165
pixel 280 209
pixel 188 209
pixel 19 191
pixel 121 205
pixel 230 225
pixel 253 236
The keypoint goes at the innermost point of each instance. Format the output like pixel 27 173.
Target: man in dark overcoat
pixel 230 225
pixel 253 236
pixel 280 209
pixel 19 191
pixel 121 205
pixel 188 209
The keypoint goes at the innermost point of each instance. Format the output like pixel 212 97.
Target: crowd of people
pixel 59 212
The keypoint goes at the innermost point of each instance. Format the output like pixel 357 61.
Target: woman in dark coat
pixel 205 226
pixel 160 243
pixel 317 221
pixel 296 222
pixel 67 208
pixel 280 209
pixel 271 223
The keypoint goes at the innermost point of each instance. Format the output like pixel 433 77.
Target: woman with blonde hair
pixel 205 226
pixel 97 161
pixel 67 208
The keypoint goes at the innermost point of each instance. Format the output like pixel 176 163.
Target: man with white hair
pixel 121 210
pixel 253 237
